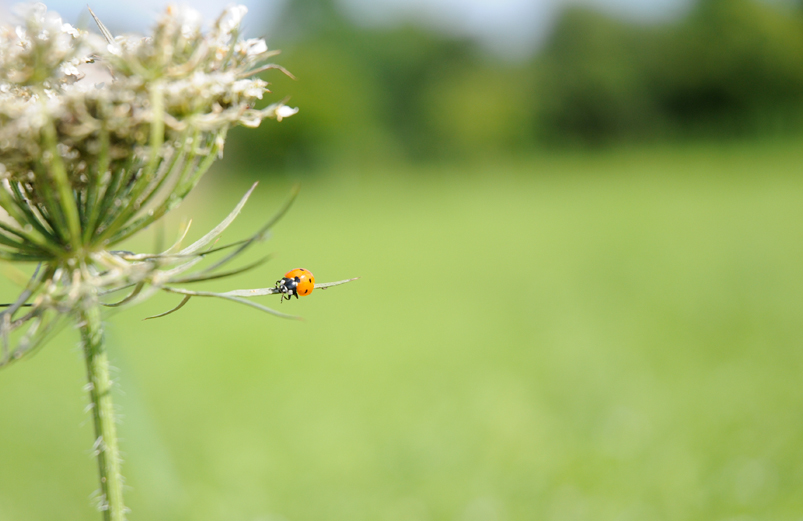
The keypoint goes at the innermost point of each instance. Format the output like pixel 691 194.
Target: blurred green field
pixel 613 336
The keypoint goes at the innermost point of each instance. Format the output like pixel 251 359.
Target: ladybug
pixel 296 282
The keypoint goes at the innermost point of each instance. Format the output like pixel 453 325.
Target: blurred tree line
pixel 729 68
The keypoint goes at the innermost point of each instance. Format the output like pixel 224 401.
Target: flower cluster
pixel 164 110
pixel 44 51
pixel 100 136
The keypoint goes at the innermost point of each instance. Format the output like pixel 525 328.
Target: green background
pixel 610 335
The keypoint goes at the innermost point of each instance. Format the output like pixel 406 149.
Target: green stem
pixel 100 383
pixel 66 206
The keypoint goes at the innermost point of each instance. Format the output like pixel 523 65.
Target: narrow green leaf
pixel 201 277
pixel 220 228
pixel 180 305
pixel 324 285
pixel 127 299
pixel 228 296
pixel 105 32
pixel 97 188
pixel 259 235
pixel 63 186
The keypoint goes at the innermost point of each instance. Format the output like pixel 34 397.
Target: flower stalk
pixel 99 385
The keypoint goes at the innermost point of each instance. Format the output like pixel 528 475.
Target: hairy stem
pixel 105 448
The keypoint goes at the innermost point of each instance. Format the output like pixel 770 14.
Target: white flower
pixel 69 29
pixel 188 19
pixel 249 88
pixel 284 111
pixel 252 47
pixel 231 18
pixel 186 82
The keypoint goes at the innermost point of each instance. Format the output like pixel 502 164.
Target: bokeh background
pixel 579 228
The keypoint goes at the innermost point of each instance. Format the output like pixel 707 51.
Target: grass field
pixel 617 336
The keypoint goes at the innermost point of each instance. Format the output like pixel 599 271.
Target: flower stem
pixel 100 383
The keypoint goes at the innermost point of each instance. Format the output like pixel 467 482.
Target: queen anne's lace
pixel 204 79
pixel 99 137
pixel 90 157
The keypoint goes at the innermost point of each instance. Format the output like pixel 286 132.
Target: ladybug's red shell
pixel 306 280
pixel 296 282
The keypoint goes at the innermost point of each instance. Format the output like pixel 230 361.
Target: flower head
pixel 164 114
pixel 85 165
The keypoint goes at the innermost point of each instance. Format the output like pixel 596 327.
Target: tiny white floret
pixel 285 112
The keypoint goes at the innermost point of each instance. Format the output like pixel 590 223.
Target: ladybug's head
pixel 287 286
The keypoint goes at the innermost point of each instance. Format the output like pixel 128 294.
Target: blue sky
pixel 505 25
pixel 508 26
